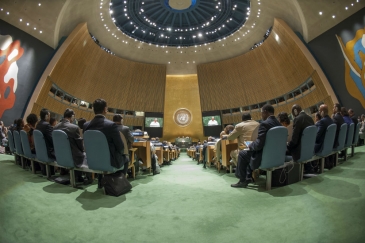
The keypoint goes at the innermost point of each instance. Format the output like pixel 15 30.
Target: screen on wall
pixel 153 122
pixel 211 121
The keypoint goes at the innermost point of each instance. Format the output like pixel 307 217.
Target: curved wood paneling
pixel 278 66
pixel 88 72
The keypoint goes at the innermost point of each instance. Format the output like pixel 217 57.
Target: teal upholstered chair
pixel 327 149
pixel 97 152
pixel 356 138
pixel 41 151
pixel 63 153
pixel 273 154
pixel 349 138
pixel 18 147
pixel 26 149
pixel 341 141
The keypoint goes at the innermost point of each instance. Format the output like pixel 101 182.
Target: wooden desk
pixel 200 154
pixel 159 153
pixel 144 152
pixel 227 147
pixel 210 154
pixel 166 154
pixel 131 162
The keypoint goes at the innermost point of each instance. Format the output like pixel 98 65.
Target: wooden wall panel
pixel 88 72
pixel 276 67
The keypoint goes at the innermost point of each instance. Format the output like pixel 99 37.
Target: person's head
pixel 53 121
pixel 15 121
pixel 351 112
pixel 266 111
pixel 284 119
pixel 323 110
pixel 155 120
pixel 362 117
pixel 32 119
pixel 118 119
pixel 100 107
pixel 246 116
pixel 295 110
pixel 344 112
pixel 153 139
pixel 157 138
pixel 212 118
pixel 69 115
pixel 45 115
pixel 336 108
pixel 20 123
pixel 228 129
pixel 199 143
pixel 1 123
pixel 318 116
pixel 81 122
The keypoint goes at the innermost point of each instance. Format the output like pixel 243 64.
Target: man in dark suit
pixel 118 119
pixel 76 141
pixel 338 120
pixel 353 117
pixel 301 121
pixel 322 127
pixel 111 132
pixel 250 159
pixel 46 129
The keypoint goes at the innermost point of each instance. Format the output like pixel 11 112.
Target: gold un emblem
pixel 182 117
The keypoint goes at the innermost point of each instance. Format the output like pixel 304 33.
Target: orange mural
pixel 354 54
pixel 11 51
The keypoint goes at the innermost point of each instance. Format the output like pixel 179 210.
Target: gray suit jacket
pixel 76 141
pixel 127 134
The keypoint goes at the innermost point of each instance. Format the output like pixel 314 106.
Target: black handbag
pixel 116 184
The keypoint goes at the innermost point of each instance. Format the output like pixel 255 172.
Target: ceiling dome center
pixel 180 4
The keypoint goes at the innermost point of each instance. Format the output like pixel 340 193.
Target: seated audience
pixel 80 123
pixel 32 120
pixel 249 160
pixel 76 141
pixel 353 117
pixel 46 129
pixel 338 120
pixel 227 130
pixel 111 132
pixel 285 121
pixel 317 117
pixel 301 121
pixel 53 121
pixel 322 128
pixel 3 134
pixel 118 119
pixel 362 130
pixel 19 125
pixel 243 131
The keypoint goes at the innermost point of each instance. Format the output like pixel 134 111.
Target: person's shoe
pixel 250 180
pixel 204 167
pixel 240 184
pixel 155 173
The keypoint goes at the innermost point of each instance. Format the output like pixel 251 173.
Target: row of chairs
pixel 274 152
pixel 96 147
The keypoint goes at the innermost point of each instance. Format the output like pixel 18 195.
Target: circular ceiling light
pixel 154 20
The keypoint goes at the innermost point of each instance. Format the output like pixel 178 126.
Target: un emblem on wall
pixel 182 117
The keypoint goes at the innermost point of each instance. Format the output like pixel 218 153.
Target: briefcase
pixel 116 184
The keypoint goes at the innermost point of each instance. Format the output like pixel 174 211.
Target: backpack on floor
pixel 116 184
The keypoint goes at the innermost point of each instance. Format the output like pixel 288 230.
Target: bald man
pixel 322 127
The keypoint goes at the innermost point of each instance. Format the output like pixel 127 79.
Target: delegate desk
pixel 183 143
pixel 210 154
pixel 144 152
pixel 159 153
pixel 226 147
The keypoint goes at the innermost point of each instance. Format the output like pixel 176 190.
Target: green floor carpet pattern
pixel 185 203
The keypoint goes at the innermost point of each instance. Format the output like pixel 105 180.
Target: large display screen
pixel 211 121
pixel 153 122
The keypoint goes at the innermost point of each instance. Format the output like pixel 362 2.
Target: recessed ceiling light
pixel 27 24
pixel 40 31
pixel 7 13
pixel 333 16
pixel 39 4
pixel 20 20
pixel 320 13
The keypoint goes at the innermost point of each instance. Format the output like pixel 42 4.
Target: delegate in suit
pixel 250 159
pixel 244 131
pixel 111 132
pixel 301 121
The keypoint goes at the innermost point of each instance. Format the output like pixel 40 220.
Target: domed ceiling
pixel 179 22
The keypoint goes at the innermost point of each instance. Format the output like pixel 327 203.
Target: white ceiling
pixel 58 18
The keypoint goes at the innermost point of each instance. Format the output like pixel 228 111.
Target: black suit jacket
pixel 338 120
pixel 258 145
pixel 76 141
pixel 46 129
pixel 321 132
pixel 127 134
pixel 300 123
pixel 111 132
pixel 355 121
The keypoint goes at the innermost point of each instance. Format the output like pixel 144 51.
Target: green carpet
pixel 185 203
